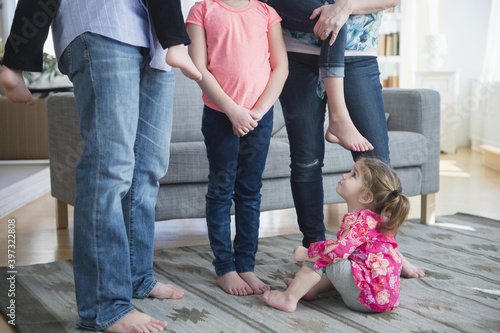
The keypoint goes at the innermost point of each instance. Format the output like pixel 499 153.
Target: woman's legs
pixel 304 113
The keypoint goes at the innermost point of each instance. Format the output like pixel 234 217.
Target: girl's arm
pixel 279 67
pixel 239 116
pixel 333 17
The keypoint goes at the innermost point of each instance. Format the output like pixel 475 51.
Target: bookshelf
pixel 390 50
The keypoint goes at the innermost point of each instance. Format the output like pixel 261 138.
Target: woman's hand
pixel 331 19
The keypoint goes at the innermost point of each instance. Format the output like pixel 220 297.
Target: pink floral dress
pixel 376 265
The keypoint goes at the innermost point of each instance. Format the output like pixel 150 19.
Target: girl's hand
pixel 331 19
pixel 242 120
pixel 257 113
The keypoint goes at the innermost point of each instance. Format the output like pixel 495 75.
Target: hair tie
pixel 395 193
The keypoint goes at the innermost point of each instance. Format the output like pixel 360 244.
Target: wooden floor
pixel 465 186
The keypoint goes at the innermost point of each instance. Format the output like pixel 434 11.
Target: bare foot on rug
pixel 177 56
pixel 233 284
pixel 309 296
pixel 166 291
pixel 300 254
pixel 254 282
pixel 409 270
pixel 15 87
pixel 280 301
pixel 137 322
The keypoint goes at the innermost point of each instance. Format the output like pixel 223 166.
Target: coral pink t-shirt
pixel 237 47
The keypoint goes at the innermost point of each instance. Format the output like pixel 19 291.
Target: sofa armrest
pixel 418 110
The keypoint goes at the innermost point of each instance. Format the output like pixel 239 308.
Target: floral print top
pixel 362 33
pixel 376 265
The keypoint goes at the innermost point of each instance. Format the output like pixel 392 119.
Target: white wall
pixel 465 23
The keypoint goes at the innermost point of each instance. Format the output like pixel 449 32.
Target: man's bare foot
pixel 280 301
pixel 341 130
pixel 178 57
pixel 233 284
pixel 410 271
pixel 309 296
pixel 15 87
pixel 137 322
pixel 166 291
pixel 254 282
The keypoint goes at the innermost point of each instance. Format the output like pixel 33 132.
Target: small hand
pixel 242 121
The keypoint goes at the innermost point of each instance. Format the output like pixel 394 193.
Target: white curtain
pixel 485 120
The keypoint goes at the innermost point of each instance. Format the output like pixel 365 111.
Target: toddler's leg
pixel 341 129
pixel 177 56
pixel 322 286
pixel 305 279
pixel 15 87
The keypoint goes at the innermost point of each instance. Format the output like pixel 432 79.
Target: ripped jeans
pixel 304 114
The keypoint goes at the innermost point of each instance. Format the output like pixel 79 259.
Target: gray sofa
pixel 413 138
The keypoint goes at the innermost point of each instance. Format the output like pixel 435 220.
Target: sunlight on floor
pixel 449 168
pixel 454 226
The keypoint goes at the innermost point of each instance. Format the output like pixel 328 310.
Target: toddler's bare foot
pixel 178 57
pixel 137 322
pixel 166 291
pixel 280 301
pixel 410 271
pixel 300 254
pixel 254 282
pixel 341 130
pixel 15 87
pixel 233 284
pixel 309 296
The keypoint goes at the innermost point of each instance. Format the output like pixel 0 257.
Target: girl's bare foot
pixel 254 282
pixel 178 57
pixel 410 271
pixel 280 301
pixel 15 87
pixel 309 296
pixel 300 254
pixel 137 322
pixel 233 284
pixel 166 291
pixel 341 130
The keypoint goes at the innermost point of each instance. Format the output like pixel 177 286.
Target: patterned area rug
pixel 460 292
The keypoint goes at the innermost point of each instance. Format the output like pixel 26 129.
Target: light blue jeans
pixel 125 112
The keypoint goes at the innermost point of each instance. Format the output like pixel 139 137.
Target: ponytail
pixel 385 186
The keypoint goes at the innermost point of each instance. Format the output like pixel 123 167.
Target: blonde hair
pixel 388 200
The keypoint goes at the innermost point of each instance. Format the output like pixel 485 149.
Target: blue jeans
pixel 304 114
pixel 236 167
pixel 125 112
pixel 295 16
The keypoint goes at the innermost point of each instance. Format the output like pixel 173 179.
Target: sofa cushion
pixel 189 164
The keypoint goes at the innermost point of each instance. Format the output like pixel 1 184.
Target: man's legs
pixel 304 114
pixel 106 76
